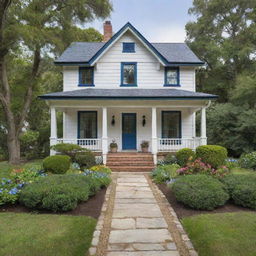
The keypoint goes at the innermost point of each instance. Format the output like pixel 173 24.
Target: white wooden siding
pixel 107 73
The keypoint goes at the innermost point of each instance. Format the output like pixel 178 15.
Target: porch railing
pixel 92 144
pixel 173 144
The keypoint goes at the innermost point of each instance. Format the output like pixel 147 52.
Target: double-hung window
pixel 86 76
pixel 171 124
pixel 128 74
pixel 172 76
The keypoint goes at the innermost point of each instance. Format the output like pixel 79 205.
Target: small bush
pixel 200 192
pixel 184 155
pixel 231 163
pixel 170 159
pixel 248 160
pixel 59 192
pixel 212 154
pixel 85 159
pixel 101 168
pixel 68 149
pixel 9 191
pixel 56 164
pixel 165 173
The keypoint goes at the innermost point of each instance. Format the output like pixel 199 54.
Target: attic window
pixel 128 47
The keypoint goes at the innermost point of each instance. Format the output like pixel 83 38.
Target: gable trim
pixel 138 35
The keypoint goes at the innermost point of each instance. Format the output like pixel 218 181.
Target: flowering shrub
pixel 10 188
pixel 248 160
pixel 102 178
pixel 165 173
pixel 9 191
pixel 101 168
pixel 198 167
pixel 231 163
pixel 27 175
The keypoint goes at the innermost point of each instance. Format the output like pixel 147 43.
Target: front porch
pixel 167 128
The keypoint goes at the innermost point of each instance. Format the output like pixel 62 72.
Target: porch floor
pixel 130 162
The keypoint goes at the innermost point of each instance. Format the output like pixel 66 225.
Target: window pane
pixel 129 74
pixel 86 76
pixel 171 125
pixel 172 76
pixel 88 125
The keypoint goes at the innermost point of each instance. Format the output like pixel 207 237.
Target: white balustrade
pixel 91 144
pixel 173 144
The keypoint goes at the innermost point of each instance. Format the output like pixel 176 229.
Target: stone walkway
pixel 138 221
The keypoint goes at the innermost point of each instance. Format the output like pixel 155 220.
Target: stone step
pixel 130 163
pixel 131 168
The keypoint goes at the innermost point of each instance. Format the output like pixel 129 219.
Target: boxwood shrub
pixel 59 192
pixel 85 159
pixel 183 155
pixel 242 189
pixel 212 154
pixel 200 192
pixel 56 164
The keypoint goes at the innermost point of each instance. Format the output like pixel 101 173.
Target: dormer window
pixel 172 76
pixel 128 47
pixel 86 76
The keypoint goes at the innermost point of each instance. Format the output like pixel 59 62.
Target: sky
pixel 157 20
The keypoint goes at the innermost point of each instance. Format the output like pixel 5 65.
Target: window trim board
pixel 135 74
pixel 127 50
pixel 79 77
pixel 178 77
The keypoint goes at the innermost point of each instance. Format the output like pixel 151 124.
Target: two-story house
pixel 129 90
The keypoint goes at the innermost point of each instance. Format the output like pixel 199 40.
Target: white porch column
pixel 203 126
pixel 53 138
pixel 154 135
pixel 104 134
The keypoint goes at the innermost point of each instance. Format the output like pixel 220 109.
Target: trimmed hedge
pixel 200 192
pixel 59 192
pixel 85 159
pixel 184 155
pixel 56 164
pixel 212 154
pixel 242 189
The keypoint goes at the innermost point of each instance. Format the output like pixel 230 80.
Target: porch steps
pixel 130 162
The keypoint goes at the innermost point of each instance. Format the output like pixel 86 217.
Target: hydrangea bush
pixel 248 160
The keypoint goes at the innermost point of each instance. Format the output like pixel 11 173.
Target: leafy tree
pixel 224 36
pixel 30 32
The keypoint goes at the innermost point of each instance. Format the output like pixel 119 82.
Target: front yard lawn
pixel 222 234
pixel 40 234
pixel 6 168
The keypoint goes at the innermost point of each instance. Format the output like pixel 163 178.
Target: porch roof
pixel 150 94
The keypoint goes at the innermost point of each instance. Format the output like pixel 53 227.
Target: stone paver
pixel 137 225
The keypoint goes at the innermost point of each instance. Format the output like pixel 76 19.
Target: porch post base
pixel 203 140
pixel 104 158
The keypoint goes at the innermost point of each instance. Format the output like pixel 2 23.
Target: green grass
pixel 223 234
pixel 6 168
pixel 41 235
pixel 243 171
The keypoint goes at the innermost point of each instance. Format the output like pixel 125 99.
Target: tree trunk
pixel 13 148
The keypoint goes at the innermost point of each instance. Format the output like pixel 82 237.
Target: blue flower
pixel 13 191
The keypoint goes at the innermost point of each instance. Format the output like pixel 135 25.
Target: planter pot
pixel 113 150
pixel 144 149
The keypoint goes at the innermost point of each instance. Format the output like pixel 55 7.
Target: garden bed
pixel 183 211
pixel 91 208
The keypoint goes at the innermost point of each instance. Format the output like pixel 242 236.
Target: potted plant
pixel 113 146
pixel 144 146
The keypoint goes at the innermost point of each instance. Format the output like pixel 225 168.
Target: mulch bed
pixel 183 211
pixel 90 208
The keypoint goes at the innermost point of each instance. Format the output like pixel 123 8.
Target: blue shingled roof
pixel 92 93
pixel 170 53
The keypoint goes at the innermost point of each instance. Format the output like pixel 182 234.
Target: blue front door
pixel 129 131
